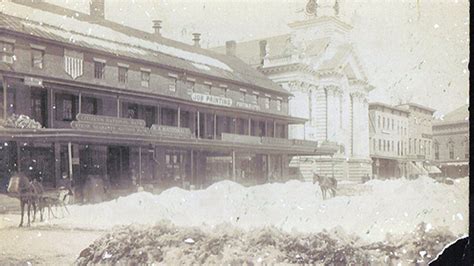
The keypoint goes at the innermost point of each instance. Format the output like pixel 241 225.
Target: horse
pixel 29 193
pixel 326 183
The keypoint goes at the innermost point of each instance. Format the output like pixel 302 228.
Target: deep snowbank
pixel 391 206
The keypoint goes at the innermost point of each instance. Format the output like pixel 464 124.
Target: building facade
pixel 388 129
pixel 134 107
pixel 419 155
pixel 318 65
pixel 451 143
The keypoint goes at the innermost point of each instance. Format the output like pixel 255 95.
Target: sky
pixel 411 50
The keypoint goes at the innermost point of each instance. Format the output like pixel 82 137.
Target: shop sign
pixel 110 120
pixel 211 99
pixel 33 82
pixel 109 128
pixel 276 141
pixel 240 138
pixel 245 105
pixel 221 159
pixel 169 131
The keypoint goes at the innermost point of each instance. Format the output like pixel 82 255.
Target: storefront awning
pixel 455 164
pixel 433 169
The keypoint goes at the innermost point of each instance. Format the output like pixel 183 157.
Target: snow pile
pixel 20 121
pixel 226 245
pixel 393 206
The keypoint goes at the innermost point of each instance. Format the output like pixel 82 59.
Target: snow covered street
pixel 369 211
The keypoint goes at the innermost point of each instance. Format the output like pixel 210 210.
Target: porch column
pixel 192 168
pixel 140 166
pixel 250 126
pixel 198 125
pixel 235 125
pixel 52 107
pixel 266 128
pixel 274 129
pixel 80 102
pixel 5 95
pixel 205 126
pixel 18 156
pixel 69 158
pixel 233 165
pixel 215 126
pixel 179 116
pixel 57 163
pixel 118 106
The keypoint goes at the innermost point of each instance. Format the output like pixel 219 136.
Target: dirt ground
pixel 38 245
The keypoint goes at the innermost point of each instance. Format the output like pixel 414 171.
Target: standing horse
pixel 29 193
pixel 326 183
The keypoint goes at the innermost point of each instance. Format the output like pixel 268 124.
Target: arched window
pixel 451 149
pixel 436 149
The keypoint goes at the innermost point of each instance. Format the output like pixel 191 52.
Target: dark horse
pixel 326 183
pixel 29 193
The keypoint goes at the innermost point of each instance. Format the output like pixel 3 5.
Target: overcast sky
pixel 416 50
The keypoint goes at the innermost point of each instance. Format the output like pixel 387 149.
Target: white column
pixel 332 113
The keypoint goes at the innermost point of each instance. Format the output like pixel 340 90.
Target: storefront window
pixel 89 106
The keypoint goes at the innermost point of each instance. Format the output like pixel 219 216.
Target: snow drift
pixel 388 207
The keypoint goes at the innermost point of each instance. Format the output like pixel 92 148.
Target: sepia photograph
pixel 234 132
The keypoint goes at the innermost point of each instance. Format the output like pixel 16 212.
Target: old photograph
pixel 233 132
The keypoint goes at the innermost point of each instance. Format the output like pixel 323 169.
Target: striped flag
pixel 73 63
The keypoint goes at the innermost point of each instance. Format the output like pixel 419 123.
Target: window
pixel 388 145
pixel 145 78
pixel 173 85
pixel 89 106
pixel 132 111
pixel 375 144
pixel 266 101
pixel 278 105
pixel 414 146
pixel 383 123
pixel 242 95
pixel 409 146
pixel 393 125
pixel 253 98
pixel 122 74
pixel 380 145
pixel 378 121
pixel 436 150
pixel 37 57
pixel 451 149
pixel 220 91
pixel 190 86
pixel 99 70
pixel 69 108
pixel 6 52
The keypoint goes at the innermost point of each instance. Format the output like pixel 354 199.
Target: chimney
pixel 263 50
pixel 230 48
pixel 157 27
pixel 97 9
pixel 197 39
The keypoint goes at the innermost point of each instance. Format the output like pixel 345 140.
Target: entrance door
pixel 118 165
pixel 38 106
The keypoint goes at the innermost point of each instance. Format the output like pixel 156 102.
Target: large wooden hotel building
pixel 134 106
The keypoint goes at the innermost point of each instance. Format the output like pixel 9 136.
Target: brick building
pixel 133 106
pixel 388 129
pixel 451 143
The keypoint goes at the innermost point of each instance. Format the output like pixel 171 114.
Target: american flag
pixel 73 63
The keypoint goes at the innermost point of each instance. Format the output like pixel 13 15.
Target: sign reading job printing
pixel 211 99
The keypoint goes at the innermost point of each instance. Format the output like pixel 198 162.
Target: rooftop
pixel 416 105
pixel 388 106
pixel 460 114
pixel 74 28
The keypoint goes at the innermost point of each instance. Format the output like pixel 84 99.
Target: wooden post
pixel 215 126
pixel 140 166
pixel 233 165
pixel 198 126
pixel 192 167
pixel 5 95
pixel 18 156
pixel 266 128
pixel 118 106
pixel 69 157
pixel 274 129
pixel 53 115
pixel 179 116
pixel 80 102
pixel 250 126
